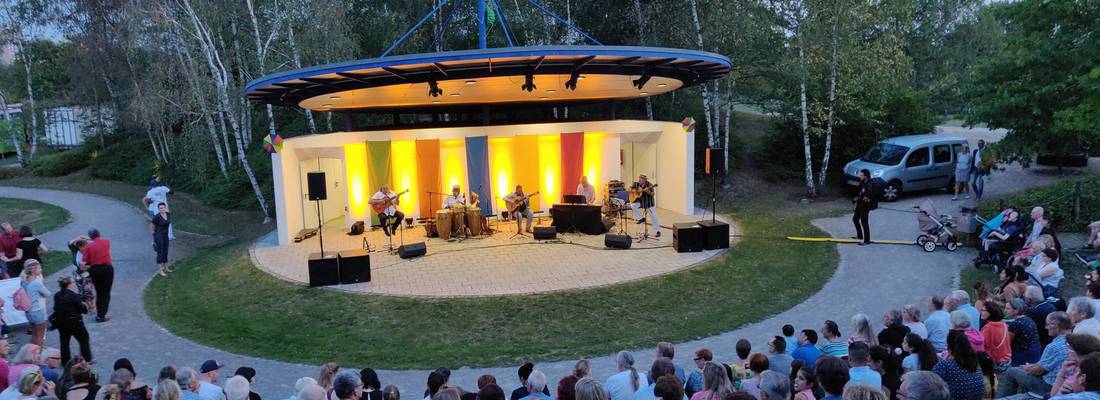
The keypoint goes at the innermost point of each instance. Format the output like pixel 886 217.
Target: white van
pixel 909 163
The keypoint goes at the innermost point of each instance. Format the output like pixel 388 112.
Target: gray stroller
pixel 936 228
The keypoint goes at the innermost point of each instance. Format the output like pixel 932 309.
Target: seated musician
pixel 521 203
pixel 456 198
pixel 587 190
pixel 644 190
pixel 390 200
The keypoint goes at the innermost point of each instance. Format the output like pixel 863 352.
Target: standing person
pixel 644 190
pixel 962 171
pixel 69 312
pixel 31 282
pixel 159 226
pixel 27 248
pixel 977 171
pixel 864 202
pixel 522 207
pixel 8 252
pixel 156 196
pixel 587 190
pixel 97 261
pixel 387 201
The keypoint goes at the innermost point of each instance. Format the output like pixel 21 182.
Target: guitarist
pixel 390 200
pixel 643 189
pixel 521 202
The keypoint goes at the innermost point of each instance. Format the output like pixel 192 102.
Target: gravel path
pixel 864 278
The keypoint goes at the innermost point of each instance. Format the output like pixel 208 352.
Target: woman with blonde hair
pixel 861 330
pixel 589 389
pixel 31 282
pixel 863 392
pixel 327 376
pixel 167 389
pixel 31 385
pixel 30 355
pixel 716 384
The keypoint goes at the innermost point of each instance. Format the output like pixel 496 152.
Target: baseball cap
pixel 210 365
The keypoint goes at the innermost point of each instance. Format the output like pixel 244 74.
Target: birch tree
pixel 798 9
pixel 7 126
pixel 832 97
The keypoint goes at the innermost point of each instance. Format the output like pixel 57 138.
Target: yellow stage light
pixel 501 167
pixel 453 154
pixel 355 162
pixel 549 169
pixel 593 161
pixel 403 156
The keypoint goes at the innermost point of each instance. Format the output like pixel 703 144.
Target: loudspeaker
pixel 616 241
pixel 687 237
pixel 324 271
pixel 716 235
pixel 316 186
pixel 546 233
pixel 412 250
pixel 354 266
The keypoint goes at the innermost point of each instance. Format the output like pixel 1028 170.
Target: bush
pixel 10 172
pixel 61 163
pixel 1058 201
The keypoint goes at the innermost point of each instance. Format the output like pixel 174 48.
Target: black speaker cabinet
pixel 354 266
pixel 716 235
pixel 412 250
pixel 324 271
pixel 687 237
pixel 617 241
pixel 546 233
pixel 316 186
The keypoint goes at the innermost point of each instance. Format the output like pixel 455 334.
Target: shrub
pixel 1058 201
pixel 10 172
pixel 61 163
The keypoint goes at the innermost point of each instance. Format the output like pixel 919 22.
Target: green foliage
pixel 1058 201
pixel 126 158
pixel 60 163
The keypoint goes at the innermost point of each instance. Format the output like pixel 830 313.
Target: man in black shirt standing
pixel 865 202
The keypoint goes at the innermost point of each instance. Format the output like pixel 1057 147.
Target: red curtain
pixel 572 161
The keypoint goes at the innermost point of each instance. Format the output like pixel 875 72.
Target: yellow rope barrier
pixel 846 240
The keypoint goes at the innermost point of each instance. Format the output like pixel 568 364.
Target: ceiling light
pixel 471 82
pixel 644 93
pixel 662 84
pixel 435 101
pixel 454 94
pixel 334 97
pixel 326 105
pixel 580 77
pixel 551 91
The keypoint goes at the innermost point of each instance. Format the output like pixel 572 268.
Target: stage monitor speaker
pixel 412 250
pixel 354 266
pixel 612 241
pixel 687 237
pixel 546 233
pixel 716 235
pixel 316 186
pixel 324 271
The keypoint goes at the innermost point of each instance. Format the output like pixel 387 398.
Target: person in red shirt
pixel 97 261
pixel 8 240
pixel 5 351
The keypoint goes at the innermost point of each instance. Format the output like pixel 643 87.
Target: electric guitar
pixel 382 204
pixel 520 202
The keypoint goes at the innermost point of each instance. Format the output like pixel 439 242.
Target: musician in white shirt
pixel 389 199
pixel 587 190
pixel 523 209
pixel 456 197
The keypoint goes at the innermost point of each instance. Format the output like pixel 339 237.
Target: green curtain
pixel 379 169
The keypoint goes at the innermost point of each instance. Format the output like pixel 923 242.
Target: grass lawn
pixel 41 217
pixel 293 323
pixel 56 260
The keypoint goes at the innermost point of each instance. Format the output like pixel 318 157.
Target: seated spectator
pixel 627 381
pixel 863 392
pixel 887 365
pixel 487 379
pixel 167 389
pixel 1079 346
pixel 1025 335
pixel 961 322
pixel 922 356
pixel 565 391
pixel 1013 283
pixel 743 349
pixel 237 388
pixel 493 392
pixel 894 329
pixel 805 382
pixel 995 335
pixel 536 384
pixel 1047 272
pixel 1039 308
pixel 29 355
pixel 372 387
pixel 588 389
pixel 833 345
pixel 188 381
pixel 716 384
pixel 1039 377
pixel 774 386
pixel 662 367
pixel 861 330
pixel 1083 316
pixel 1086 385
pixel 859 355
pixel 523 372
pixel 29 385
pixel 758 363
pixel 51 365
pixel 1009 228
pixel 778 359
pixel 702 357
pixel 390 392
pixel 668 388
pixel 310 390
pixel 807 350
pixel 666 350
pixel 923 385
pixel 448 393
pixel 960 369
pixel 832 374
pixel 938 323
pixel 911 315
pixel 138 388
pixel 960 300
pixel 1093 293
pixel 346 386
pixel 437 381
pixel 324 377
pixel 84 385
pixel 788 335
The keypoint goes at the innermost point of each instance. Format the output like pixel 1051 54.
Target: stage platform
pixel 497 264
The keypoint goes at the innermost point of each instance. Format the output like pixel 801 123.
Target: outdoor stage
pixel 499 264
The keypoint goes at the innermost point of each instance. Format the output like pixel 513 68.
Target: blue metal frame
pixel 446 23
pixel 503 23
pixel 562 20
pixel 415 27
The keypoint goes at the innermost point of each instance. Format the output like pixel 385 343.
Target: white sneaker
pixel 954 198
pixel 968 196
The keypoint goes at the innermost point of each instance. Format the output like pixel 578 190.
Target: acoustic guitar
pixel 520 202
pixel 384 203
pixel 636 193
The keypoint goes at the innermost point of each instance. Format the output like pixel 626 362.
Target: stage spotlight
pixel 433 89
pixel 641 81
pixel 571 84
pixel 529 82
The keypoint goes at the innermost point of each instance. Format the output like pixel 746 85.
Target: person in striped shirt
pixel 833 345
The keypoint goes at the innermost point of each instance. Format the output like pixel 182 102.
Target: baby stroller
pixel 936 228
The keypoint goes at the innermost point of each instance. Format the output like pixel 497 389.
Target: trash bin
pixel 967 221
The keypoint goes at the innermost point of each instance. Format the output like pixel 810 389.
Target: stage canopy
pixel 550 74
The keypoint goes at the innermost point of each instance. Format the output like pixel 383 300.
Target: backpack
pixel 20 300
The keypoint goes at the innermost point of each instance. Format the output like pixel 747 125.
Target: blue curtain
pixel 477 166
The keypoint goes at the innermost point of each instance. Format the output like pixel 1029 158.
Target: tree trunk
pixel 298 64
pixel 14 138
pixel 728 130
pixel 805 116
pixel 706 90
pixel 832 103
pixel 261 60
pixel 30 101
pixel 188 65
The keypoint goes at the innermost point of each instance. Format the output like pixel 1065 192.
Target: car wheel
pixel 892 192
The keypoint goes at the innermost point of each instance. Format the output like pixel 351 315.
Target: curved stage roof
pixel 490 76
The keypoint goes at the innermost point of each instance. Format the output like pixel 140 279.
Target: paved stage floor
pixel 490 265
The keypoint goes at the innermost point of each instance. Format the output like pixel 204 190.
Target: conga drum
pixel 443 223
pixel 458 219
pixel 473 220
